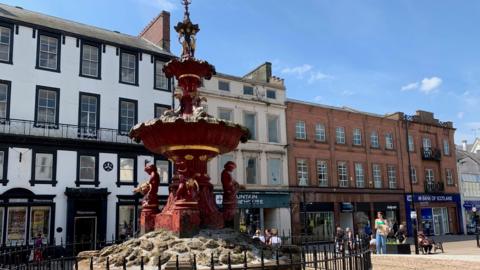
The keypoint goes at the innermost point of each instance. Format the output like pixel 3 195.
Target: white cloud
pixel 426 86
pixel 430 84
pixel 318 76
pixel 410 86
pixel 160 4
pixel 299 71
pixel 460 115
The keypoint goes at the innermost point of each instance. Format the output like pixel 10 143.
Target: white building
pixel 256 101
pixel 468 163
pixel 69 94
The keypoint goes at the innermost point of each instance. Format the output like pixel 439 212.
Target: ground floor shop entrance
pixel 86 217
pixel 436 214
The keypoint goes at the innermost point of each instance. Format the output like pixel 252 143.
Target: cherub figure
pixel 149 189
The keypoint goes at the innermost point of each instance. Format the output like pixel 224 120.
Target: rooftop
pixel 29 18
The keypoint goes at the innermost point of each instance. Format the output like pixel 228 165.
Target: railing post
pixel 245 260
pixel 302 260
pixel 229 261
pixel 212 263
pixel 315 259
pixel 277 261
pixel 344 263
pixel 176 262
pixel 141 262
pixel 108 263
pixel 291 260
pixel 325 257
pixel 160 262
pixel 91 263
pixel 124 264
pixel 76 263
pixel 194 261
pixel 262 263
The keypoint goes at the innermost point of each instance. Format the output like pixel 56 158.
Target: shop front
pixel 436 214
pixel 471 209
pixel 261 210
pixel 25 216
pixel 317 220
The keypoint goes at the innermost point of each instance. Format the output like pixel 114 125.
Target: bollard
pixel 108 263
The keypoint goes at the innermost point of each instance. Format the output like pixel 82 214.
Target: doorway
pixel 85 233
pixel 440 221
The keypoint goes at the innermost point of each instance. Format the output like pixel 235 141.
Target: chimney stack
pixel 464 145
pixel 158 31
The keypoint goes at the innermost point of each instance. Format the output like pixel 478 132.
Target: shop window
pixel 40 223
pixel 392 177
pixel 340 135
pixel 377 175
pixel 322 173
pixel 251 170
pixel 163 170
pixel 320 135
pixel 16 225
pixel 302 172
pixel 318 224
pixel 127 171
pixel 374 143
pixel 357 136
pixel 342 174
pixel 300 132
pixel 359 175
pixel 126 221
pixel 274 171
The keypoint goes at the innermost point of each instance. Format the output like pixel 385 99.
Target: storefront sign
pixel 469 205
pixel 413 215
pixel 258 200
pixel 433 198
pixel 346 207
pixel 392 207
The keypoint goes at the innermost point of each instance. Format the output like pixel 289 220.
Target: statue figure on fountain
pixel 187 187
pixel 149 189
pixel 230 189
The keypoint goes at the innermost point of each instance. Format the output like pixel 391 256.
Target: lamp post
pixel 412 199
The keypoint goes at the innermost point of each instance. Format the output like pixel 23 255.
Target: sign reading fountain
pixel 189 138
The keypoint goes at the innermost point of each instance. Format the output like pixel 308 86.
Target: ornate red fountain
pixel 188 137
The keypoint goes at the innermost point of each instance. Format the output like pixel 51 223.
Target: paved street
pixel 461 252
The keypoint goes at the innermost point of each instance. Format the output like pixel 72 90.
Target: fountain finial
pixel 186 33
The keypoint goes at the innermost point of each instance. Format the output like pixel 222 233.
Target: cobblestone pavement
pixel 461 252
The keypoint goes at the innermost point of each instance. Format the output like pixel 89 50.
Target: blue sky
pixel 373 55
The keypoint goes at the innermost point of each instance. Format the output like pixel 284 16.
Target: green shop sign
pixel 258 200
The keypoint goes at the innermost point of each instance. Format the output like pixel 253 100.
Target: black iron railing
pixel 352 256
pixel 63 131
pixel 431 153
pixel 434 187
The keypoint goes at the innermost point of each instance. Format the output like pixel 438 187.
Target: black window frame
pixel 170 169
pixel 58 36
pixel 164 60
pixel 127 200
pixel 122 51
pixel 57 107
pixel 9 91
pixel 271 91
pixel 135 161
pixel 248 87
pixel 99 47
pixel 227 83
pixel 120 132
pixel 10 26
pixel 158 105
pixel 95 182
pixel 4 172
pixel 97 96
pixel 33 181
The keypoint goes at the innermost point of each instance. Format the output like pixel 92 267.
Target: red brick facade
pixel 365 196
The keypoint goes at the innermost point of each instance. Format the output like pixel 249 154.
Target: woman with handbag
pixel 382 230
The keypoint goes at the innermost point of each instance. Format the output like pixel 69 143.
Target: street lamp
pixel 413 217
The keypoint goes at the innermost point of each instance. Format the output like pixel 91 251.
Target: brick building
pixel 345 165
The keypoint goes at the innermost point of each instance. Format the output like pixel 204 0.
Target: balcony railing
pixel 62 131
pixel 434 187
pixel 430 153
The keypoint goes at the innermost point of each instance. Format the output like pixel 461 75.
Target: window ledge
pixel 321 142
pixel 128 83
pixel 87 183
pixel 300 140
pixel 134 183
pixel 7 62
pixel 43 182
pixel 90 77
pixel 47 69
pixel 162 89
